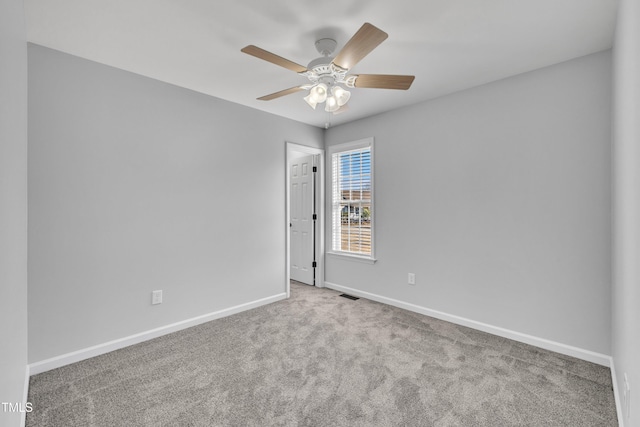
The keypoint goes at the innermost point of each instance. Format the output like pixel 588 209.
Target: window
pixel 352 198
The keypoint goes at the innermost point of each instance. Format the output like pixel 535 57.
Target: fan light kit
pixel 327 75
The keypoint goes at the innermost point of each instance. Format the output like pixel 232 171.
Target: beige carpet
pixel 321 360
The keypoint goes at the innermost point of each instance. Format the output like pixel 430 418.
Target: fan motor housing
pixel 322 70
pixel 321 65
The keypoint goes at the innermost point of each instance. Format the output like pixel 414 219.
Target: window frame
pixel 340 148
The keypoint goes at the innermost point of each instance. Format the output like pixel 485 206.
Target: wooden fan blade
pixel 367 38
pixel 281 93
pixel 273 58
pixel 384 81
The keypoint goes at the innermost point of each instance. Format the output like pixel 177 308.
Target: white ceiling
pixel 449 45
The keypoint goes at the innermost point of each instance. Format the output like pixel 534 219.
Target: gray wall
pixel 626 207
pixel 136 185
pixel 13 206
pixel 498 199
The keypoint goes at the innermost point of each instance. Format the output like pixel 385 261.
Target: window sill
pixel 351 257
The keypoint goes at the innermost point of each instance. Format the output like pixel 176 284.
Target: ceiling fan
pixel 326 74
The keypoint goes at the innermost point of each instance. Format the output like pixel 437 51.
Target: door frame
pixel 290 149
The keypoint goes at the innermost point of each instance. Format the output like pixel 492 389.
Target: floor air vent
pixel 350 297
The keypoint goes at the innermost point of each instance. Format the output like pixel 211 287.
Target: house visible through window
pixel 352 197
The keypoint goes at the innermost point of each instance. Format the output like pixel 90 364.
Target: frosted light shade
pixel 341 95
pixel 312 103
pixel 319 93
pixel 331 104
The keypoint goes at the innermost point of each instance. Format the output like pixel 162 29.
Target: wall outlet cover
pixel 156 297
pixel 412 278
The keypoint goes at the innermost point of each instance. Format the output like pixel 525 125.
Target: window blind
pixel 352 201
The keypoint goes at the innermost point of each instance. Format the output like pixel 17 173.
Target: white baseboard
pixel 590 356
pixel 96 350
pixel 616 393
pixel 25 395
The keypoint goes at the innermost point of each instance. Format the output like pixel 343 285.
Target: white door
pixel 301 178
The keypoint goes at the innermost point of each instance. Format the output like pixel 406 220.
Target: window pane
pixel 356 231
pixel 352 201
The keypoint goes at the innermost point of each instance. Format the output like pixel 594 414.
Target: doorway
pixel 304 215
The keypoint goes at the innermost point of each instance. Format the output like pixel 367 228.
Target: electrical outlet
pixel 156 297
pixel 412 279
pixel 626 396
